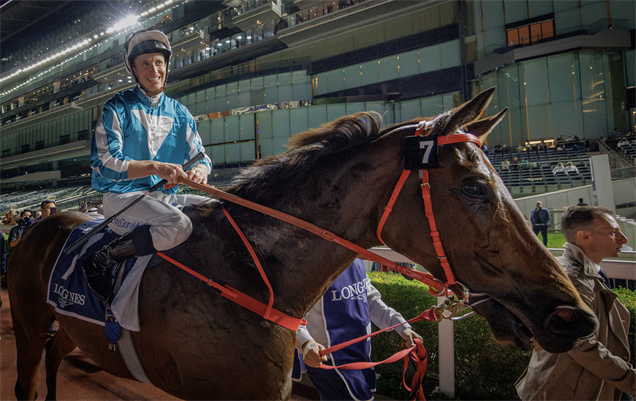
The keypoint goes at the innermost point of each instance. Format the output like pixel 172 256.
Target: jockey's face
pixel 150 70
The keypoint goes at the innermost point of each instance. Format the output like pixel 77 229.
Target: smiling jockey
pixel 142 137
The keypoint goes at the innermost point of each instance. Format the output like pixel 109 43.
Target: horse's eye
pixel 474 190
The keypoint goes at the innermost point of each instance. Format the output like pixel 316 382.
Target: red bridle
pixel 426 196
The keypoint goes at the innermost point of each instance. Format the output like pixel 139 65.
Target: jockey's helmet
pixel 143 42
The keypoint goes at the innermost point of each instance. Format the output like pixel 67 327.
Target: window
pixel 530 33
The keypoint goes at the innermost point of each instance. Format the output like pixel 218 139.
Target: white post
pixel 446 341
pixel 602 182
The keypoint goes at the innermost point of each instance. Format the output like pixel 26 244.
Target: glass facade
pixel 564 94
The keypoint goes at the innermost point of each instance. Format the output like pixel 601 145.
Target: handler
pixel 598 367
pixel 142 137
pixel 345 312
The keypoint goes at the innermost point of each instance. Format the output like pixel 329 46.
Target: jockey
pixel 142 137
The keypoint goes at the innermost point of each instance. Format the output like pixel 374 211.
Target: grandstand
pixel 536 175
pixel 253 72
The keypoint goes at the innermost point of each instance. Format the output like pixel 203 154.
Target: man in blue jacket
pixel 541 220
pixel 142 137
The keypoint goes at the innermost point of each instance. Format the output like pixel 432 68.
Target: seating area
pixel 530 170
pixel 626 148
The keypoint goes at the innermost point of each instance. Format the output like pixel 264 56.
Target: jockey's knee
pixel 171 234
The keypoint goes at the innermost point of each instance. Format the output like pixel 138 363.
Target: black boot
pixel 98 267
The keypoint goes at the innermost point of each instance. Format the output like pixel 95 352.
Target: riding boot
pixel 98 267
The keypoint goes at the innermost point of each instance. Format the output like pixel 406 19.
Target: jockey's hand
pixel 311 355
pixel 198 174
pixel 170 172
pixel 409 336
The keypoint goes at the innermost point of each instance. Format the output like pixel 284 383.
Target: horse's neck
pixel 346 199
pixel 348 206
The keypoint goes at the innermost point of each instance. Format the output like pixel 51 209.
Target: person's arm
pixel 595 357
pixel 532 213
pixel 384 316
pixel 308 347
pixel 14 236
pixel 144 168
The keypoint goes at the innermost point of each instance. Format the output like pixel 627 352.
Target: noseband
pixel 424 157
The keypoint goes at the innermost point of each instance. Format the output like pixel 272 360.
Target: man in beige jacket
pixel 598 367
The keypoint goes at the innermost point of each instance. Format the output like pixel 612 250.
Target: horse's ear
pixel 468 112
pixel 483 127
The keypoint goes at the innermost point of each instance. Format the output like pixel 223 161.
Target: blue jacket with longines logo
pixel 130 128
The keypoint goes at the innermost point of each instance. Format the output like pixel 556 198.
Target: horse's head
pixel 488 242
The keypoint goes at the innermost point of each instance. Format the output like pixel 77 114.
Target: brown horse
pixel 194 344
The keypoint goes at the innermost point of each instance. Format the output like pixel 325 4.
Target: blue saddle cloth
pixel 68 290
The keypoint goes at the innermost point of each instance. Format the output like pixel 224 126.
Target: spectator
pixel 571 169
pixel 597 368
pixel 338 317
pixel 541 220
pixel 616 133
pixel 559 169
pixel 581 203
pixel 515 164
pixel 525 163
pixel 621 143
pixel 47 208
pixel 505 164
pixel 18 229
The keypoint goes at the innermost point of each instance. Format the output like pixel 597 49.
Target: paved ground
pixel 79 378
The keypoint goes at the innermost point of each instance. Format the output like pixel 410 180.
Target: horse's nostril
pixel 566 314
pixel 571 321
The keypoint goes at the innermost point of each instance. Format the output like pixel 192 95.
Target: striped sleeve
pixel 107 158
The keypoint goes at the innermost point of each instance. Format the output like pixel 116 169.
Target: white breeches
pixel 169 226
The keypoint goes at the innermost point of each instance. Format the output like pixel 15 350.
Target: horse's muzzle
pixel 565 326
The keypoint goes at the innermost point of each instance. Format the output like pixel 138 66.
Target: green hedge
pixel 484 369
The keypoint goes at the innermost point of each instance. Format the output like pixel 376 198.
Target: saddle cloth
pixel 68 291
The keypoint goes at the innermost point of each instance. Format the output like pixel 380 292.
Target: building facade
pixel 254 72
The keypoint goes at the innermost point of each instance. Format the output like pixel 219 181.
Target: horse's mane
pixel 307 150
